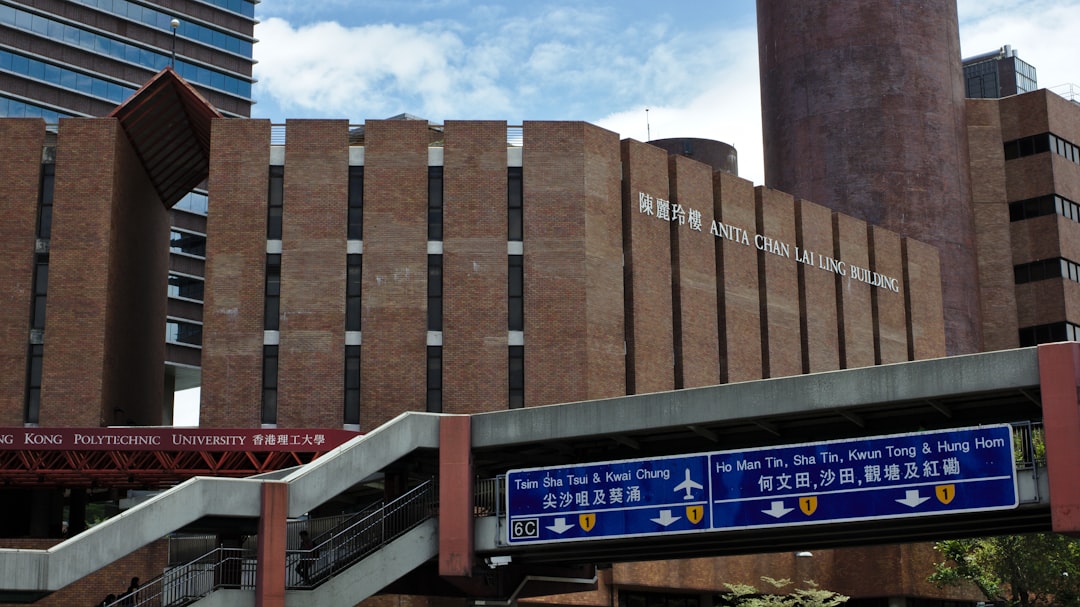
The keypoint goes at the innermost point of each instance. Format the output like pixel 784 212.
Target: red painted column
pixel 270 560
pixel 455 496
pixel 1059 376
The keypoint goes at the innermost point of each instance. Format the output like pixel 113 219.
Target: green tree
pixel 744 595
pixel 1033 570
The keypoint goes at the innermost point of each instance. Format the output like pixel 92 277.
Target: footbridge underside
pixel 459 536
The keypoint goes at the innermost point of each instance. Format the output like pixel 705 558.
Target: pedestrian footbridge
pixel 439 526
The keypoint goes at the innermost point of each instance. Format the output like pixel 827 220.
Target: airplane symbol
pixel 687 485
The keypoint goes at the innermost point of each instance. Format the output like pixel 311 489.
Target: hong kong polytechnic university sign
pixel 902 475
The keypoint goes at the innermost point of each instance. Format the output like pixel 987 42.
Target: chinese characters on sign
pixel 667 211
pixel 172 439
pixel 961 470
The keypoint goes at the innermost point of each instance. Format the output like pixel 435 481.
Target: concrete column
pixel 1059 377
pixel 455 496
pixel 270 568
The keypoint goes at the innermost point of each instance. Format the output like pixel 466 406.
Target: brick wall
pixel 573 263
pixel 21 140
pixel 233 304
pixel 393 358
pixel 890 313
pixel 997 292
pixel 737 269
pixel 693 261
pixel 107 267
pixel 781 341
pixel 922 277
pixel 311 356
pixel 647 234
pixel 853 297
pixel 475 296
pixel 817 288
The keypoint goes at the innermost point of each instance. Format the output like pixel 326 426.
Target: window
pixel 187 243
pixel 275 199
pixel 435 292
pixel 352 385
pixel 435 203
pixel 513 203
pixel 187 287
pixel 353 275
pixel 1055 267
pixel 33 384
pixel 271 306
pixel 356 203
pixel 434 379
pixel 45 203
pixel 183 332
pixel 270 385
pixel 1049 333
pixel 1044 205
pixel 517 377
pixel 516 292
pixel 1037 144
pixel 41 288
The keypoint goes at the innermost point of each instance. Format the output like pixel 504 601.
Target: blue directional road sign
pixel 917 474
pixel 959 470
pixel 610 499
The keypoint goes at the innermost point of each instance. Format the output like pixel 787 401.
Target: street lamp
pixel 175 23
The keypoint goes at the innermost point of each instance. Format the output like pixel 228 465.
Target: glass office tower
pixel 84 57
pixel 69 58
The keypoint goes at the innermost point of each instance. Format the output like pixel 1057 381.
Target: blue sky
pixel 693 64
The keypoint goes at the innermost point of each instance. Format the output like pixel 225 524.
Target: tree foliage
pixel 1034 570
pixel 744 595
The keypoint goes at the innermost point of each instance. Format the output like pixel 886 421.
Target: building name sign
pixel 172 439
pixel 667 211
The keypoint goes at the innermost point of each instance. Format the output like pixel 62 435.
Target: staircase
pixel 375 530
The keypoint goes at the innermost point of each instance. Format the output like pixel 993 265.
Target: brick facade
pixel 233 304
pixel 393 356
pixel 475 295
pixel 106 299
pixel 693 266
pixel 647 234
pixel 21 143
pixel 617 298
pixel 573 263
pixel 311 355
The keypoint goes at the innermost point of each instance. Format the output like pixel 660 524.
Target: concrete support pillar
pixel 455 496
pixel 270 568
pixel 1059 377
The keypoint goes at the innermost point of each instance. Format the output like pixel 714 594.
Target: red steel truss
pixel 136 469
pixel 152 458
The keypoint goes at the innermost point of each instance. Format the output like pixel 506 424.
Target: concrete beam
pixel 830 391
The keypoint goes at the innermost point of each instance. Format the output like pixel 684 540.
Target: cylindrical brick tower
pixel 862 107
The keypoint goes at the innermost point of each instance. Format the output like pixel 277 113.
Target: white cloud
pixel 1043 32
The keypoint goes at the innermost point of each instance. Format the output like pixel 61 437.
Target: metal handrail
pixel 349 541
pixel 363 536
pixel 185 584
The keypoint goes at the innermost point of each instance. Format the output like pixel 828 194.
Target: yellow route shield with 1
pixel 945 493
pixel 695 513
pixel 587 521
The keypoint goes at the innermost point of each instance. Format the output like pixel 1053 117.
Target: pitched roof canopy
pixel 168 124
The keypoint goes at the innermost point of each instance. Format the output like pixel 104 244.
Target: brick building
pixel 355 274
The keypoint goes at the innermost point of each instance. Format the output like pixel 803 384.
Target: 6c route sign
pixel 902 475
